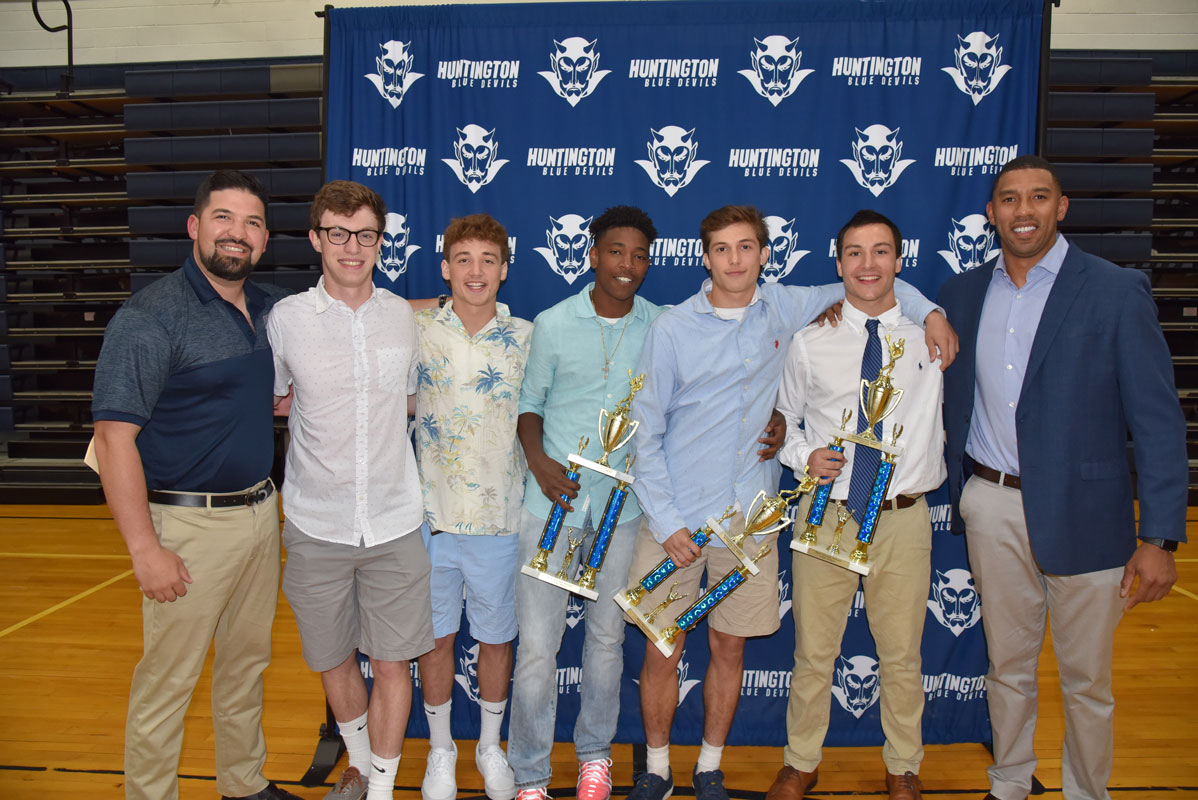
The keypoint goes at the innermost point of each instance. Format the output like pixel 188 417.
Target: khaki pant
pixel 896 595
pixel 233 557
pixel 1017 598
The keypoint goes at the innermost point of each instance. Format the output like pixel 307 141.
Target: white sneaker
pixel 594 779
pixel 499 782
pixel 440 775
pixel 538 793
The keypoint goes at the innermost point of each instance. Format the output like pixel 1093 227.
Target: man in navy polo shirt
pixel 182 410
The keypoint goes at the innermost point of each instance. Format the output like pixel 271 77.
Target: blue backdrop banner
pixel 543 115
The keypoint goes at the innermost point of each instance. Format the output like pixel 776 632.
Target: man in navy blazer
pixel 1061 356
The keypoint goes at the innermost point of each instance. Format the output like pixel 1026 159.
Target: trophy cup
pixel 766 515
pixel 878 398
pixel 615 431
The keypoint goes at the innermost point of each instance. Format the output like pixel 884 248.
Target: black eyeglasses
pixel 366 236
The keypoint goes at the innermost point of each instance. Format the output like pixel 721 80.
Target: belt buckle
pixel 254 498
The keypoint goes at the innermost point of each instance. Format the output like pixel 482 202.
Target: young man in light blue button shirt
pixel 581 352
pixel 712 365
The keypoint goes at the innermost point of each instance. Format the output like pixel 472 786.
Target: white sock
pixel 709 757
pixel 440 735
pixel 492 720
pixel 357 743
pixel 657 760
pixel 382 778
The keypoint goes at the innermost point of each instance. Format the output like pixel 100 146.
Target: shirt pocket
pixel 394 364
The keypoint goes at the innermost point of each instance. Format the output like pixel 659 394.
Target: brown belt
pixel 994 476
pixel 901 501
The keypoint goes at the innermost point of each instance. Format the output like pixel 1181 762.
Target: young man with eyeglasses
pixel 357 574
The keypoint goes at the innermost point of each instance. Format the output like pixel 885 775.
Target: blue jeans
pixel 541 614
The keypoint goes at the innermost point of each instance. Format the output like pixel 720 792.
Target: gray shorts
pixel 373 599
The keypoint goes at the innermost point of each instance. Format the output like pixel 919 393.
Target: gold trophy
pixel 878 398
pixel 615 431
pixel 766 515
pixel 539 566
pixel 688 619
pixel 666 567
pixel 664 604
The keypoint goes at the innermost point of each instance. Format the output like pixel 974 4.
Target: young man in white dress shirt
pixel 357 574
pixel 820 380
pixel 472 356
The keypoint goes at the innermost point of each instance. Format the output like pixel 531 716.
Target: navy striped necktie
pixel 866 459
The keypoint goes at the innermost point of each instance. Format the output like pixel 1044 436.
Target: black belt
pixel 994 476
pixel 198 500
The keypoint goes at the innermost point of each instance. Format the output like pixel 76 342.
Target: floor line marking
pixel 93 556
pixel 65 603
pixel 1176 588
pixel 35 517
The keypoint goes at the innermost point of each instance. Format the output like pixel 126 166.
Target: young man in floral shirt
pixel 472 356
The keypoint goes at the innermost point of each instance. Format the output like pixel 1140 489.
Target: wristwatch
pixel 1169 545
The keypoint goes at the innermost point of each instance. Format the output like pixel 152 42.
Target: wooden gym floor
pixel 70 633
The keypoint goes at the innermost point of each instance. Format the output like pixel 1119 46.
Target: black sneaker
pixel 651 786
pixel 709 785
pixel 271 792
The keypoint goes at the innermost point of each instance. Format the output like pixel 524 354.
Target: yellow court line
pixel 1176 588
pixel 1185 560
pixel 104 556
pixel 64 603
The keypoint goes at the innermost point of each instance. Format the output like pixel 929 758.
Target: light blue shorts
pixel 482 571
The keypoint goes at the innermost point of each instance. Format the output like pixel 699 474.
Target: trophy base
pixel 866 441
pixel 553 580
pixel 733 548
pixel 648 628
pixel 823 555
pixel 622 477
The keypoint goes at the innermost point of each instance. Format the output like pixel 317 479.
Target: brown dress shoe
pixel 904 787
pixel 792 784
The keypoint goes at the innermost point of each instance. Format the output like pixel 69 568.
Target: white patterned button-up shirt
pixel 351 473
pixel 467 395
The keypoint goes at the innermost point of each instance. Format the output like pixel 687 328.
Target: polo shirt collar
pixel 199 281
pixel 255 297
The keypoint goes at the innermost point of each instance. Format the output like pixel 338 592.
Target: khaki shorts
pixel 373 599
pixel 750 610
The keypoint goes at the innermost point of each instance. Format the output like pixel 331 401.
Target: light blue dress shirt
pixel 564 385
pixel 1006 330
pixel 710 388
